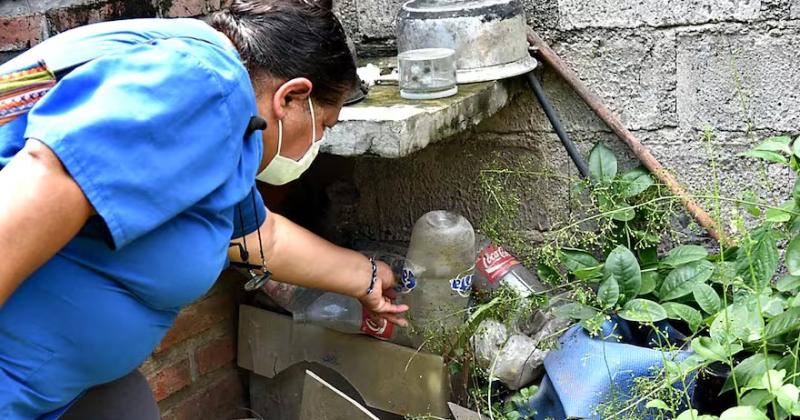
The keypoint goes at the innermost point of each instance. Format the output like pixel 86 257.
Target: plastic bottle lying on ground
pixel 339 312
pixel 344 314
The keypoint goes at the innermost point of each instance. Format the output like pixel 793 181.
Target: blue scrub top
pixel 153 131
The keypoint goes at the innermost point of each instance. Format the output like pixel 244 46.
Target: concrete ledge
pixel 386 125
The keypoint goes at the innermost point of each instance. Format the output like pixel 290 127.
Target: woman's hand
pixel 379 302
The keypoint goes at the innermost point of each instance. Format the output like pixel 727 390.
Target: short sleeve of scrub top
pixel 154 135
pixel 144 132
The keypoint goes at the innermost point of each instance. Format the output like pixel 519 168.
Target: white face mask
pixel 282 170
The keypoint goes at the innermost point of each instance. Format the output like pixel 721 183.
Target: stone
pixel 388 126
pixel 578 14
pixel 376 18
pixel 728 81
pixel 347 12
pixel 520 181
pixel 794 9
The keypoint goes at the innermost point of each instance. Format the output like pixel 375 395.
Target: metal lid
pixel 425 9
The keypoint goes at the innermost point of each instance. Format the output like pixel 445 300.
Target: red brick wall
pixel 25 23
pixel 193 372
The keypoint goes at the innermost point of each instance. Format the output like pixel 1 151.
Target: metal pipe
pixel 552 115
pixel 547 55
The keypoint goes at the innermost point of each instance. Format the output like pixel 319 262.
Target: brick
pixel 186 8
pixel 220 399
pixel 199 317
pixel 215 354
pixel 170 379
pixel 20 32
pixel 65 18
pixel 577 14
pixel 726 79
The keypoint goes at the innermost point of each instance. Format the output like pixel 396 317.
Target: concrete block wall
pixel 669 69
pixel 193 372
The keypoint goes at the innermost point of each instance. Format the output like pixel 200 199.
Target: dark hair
pixel 292 38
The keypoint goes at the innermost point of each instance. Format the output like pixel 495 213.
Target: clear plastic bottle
pixel 495 267
pixel 441 255
pixel 344 314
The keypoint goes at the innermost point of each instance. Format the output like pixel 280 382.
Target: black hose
pixel 552 115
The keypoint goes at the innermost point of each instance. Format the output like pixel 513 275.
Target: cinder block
pixel 727 81
pixel 578 14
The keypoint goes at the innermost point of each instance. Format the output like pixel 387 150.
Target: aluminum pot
pixel 489 36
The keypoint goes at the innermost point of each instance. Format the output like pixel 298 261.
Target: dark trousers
pixel 127 398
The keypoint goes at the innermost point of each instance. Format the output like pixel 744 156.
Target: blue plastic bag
pixel 584 372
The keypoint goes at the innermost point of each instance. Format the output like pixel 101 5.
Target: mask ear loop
pixel 313 121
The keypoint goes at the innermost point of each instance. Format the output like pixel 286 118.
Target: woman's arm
pixel 41 209
pixel 295 255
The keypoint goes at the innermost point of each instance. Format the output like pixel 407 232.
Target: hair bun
pixel 322 4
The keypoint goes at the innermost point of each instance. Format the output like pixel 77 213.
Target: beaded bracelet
pixel 374 278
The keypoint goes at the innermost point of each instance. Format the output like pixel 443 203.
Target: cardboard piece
pixel 322 400
pixel 388 377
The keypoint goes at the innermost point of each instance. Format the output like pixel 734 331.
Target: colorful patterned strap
pixel 20 90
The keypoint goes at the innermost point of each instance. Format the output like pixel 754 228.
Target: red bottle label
pixel 381 329
pixel 494 262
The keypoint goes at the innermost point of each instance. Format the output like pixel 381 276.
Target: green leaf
pixel 796 191
pixel 762 254
pixel 753 209
pixel 796 147
pixel 707 298
pixel 622 265
pixel 788 283
pixel 589 273
pixel 602 163
pixel 752 367
pixel 772 306
pixel 776 144
pixel 756 398
pixel 773 157
pixel 608 293
pixel 684 313
pixel 658 404
pixel 636 181
pixel 574 310
pixel 793 256
pixel 643 310
pixel 738 321
pixel 577 259
pixel 649 282
pixel 681 281
pixel 787 396
pixel 781 214
pixel 695 415
pixel 787 363
pixel 685 254
pixel 771 380
pixel 711 350
pixel 783 323
pixel 648 257
pixel 623 214
pixel 548 274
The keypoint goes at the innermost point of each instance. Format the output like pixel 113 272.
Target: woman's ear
pixel 289 94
